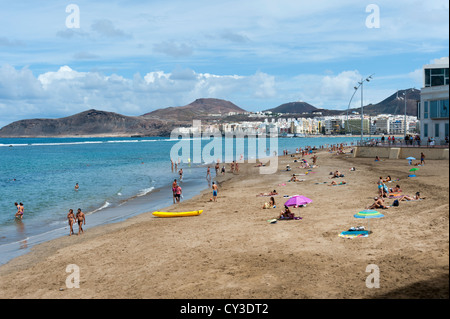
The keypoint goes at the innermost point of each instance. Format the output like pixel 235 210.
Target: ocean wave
pixel 145 191
pixel 105 205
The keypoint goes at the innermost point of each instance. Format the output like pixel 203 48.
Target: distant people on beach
pixel 81 219
pixel 223 170
pixel 377 159
pixel 71 220
pixel 208 174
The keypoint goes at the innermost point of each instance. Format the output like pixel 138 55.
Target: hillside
pixel 293 108
pixel 394 104
pixel 88 123
pixel 199 109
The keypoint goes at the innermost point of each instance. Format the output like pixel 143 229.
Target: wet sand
pixel 232 251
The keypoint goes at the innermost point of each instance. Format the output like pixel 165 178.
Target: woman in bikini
pixel 71 218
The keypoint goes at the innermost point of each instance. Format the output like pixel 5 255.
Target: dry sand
pixel 231 251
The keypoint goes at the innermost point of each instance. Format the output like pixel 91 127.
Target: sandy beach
pixel 232 251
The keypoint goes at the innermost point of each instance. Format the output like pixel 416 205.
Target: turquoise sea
pixel 118 178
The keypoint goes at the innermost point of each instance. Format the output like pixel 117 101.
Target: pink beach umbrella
pixel 297 201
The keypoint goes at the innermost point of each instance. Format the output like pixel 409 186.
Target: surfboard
pixel 177 214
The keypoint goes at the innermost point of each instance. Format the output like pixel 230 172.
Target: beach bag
pixel 395 203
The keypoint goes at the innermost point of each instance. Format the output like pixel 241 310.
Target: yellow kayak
pixel 180 214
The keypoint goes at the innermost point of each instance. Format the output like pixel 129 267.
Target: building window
pixel 436 77
pixel 443 110
pixel 439 109
pixel 425 130
pixel 425 110
pixel 446 129
pixel 436 130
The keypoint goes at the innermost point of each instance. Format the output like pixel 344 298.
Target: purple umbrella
pixel 297 201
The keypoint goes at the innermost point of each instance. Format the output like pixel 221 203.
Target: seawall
pixel 401 152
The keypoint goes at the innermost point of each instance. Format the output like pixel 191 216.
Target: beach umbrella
pixel 411 158
pixel 368 214
pixel 297 201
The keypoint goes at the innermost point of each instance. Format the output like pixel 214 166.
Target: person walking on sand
pixel 215 189
pixel 71 218
pixel 422 158
pixel 81 219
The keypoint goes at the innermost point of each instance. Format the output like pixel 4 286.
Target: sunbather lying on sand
pixel 274 192
pixel 409 198
pixel 333 183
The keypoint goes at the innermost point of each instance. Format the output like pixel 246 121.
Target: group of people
pixel 80 218
pixel 393 193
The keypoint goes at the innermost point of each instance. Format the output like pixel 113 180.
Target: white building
pixel 434 102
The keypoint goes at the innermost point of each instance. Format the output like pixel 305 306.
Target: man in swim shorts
pixel 215 188
pixel 81 219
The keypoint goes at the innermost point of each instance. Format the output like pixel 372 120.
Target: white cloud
pixel 67 91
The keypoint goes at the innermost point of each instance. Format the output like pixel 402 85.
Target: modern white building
pixel 433 109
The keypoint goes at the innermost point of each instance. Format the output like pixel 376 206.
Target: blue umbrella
pixel 368 214
pixel 411 158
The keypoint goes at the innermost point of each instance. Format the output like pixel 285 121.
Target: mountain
pixel 293 107
pixel 199 109
pixel 88 123
pixel 394 104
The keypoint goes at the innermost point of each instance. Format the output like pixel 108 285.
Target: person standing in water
pixel 208 174
pixel 181 174
pixel 76 186
pixel 81 219
pixel 71 219
pixel 19 213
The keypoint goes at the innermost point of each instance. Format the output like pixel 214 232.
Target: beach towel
pixel 285 218
pixel 354 234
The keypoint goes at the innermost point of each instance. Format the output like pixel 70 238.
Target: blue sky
pixel 132 58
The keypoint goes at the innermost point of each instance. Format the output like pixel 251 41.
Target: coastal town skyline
pixel 59 59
